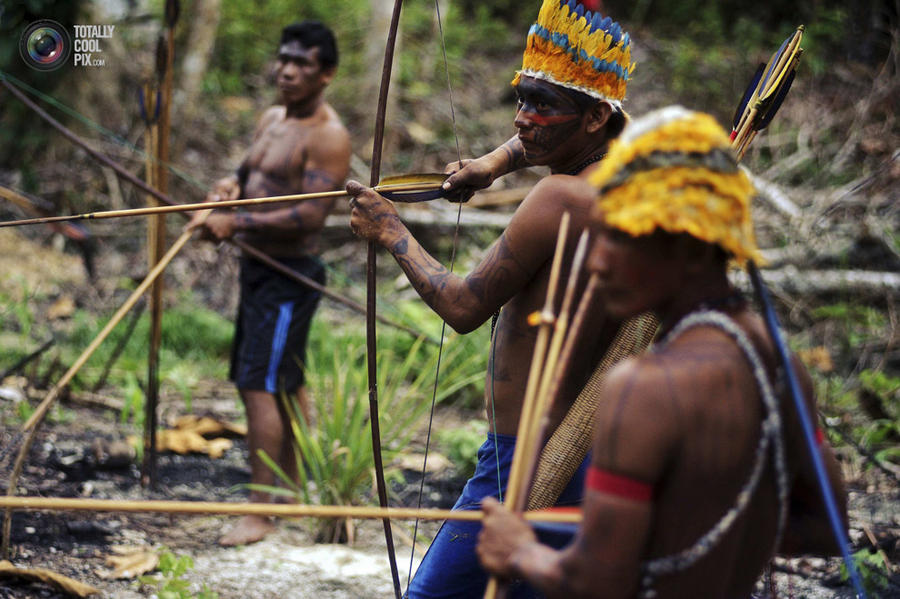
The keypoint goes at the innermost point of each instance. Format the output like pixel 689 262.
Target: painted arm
pixel 478 173
pixel 325 169
pixel 464 302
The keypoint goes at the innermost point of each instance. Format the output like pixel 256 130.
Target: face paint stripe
pixel 544 121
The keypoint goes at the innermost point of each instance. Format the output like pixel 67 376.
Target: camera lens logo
pixel 45 45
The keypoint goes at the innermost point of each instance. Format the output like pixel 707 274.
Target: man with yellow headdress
pixel 698 473
pixel 575 70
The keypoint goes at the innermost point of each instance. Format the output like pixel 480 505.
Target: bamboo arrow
pixel 545 396
pixel 519 468
pixel 267 509
pixel 765 93
pixel 385 187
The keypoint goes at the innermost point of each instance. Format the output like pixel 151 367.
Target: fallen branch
pixel 774 196
pixel 24 361
pixel 860 283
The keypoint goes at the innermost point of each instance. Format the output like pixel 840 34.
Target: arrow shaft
pixel 264 509
pixel 176 208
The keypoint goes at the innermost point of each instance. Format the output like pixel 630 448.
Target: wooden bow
pixel 371 341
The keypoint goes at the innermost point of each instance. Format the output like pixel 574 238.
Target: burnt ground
pixel 73 457
pixel 70 459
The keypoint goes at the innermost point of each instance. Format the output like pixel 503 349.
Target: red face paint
pixel 550 119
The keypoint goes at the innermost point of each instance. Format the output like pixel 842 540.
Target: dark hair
pixel 615 124
pixel 313 34
pixel 584 102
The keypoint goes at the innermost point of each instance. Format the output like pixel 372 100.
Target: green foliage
pixel 881 384
pixel 461 444
pixel 169 583
pixel 860 323
pixel 195 341
pixel 247 41
pixel 827 31
pixel 872 569
pixel 15 311
pixel 335 453
pixel 133 401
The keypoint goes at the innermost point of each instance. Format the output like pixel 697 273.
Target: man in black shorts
pixel 298 147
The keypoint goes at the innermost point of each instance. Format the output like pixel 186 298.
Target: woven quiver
pixel 572 440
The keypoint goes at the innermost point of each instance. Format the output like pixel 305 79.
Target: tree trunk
pixel 197 54
pixel 375 43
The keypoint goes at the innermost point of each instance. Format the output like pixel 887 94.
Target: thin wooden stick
pixel 120 313
pixel 156 140
pixel 266 509
pixel 534 376
pixel 518 466
pixel 149 210
pixel 574 335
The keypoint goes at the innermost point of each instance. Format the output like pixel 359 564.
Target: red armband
pixel 620 486
pixel 820 436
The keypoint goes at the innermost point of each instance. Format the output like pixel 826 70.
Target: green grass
pixel 336 451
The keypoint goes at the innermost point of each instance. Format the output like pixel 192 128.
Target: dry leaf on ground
pixel 64 583
pixel 130 565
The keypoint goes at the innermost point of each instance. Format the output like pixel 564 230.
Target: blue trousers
pixel 450 568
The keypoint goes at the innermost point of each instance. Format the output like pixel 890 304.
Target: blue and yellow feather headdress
pixel 580 50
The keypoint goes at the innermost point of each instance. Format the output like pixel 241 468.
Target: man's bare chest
pixel 280 151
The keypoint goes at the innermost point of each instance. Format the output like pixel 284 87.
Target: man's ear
pixel 326 75
pixel 598 115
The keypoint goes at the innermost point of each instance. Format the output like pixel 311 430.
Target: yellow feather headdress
pixel 674 169
pixel 580 50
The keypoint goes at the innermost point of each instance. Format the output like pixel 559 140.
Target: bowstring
pixel 437 369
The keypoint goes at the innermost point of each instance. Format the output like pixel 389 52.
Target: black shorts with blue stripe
pixel 272 325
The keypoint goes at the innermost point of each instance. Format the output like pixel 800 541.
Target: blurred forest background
pixel 827 168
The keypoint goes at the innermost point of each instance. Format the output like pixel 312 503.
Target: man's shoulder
pixel 271 114
pixel 329 125
pixel 563 187
pixel 687 363
pixel 560 193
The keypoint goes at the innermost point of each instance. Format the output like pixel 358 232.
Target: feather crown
pixel 578 49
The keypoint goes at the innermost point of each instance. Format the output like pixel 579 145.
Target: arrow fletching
pixel 776 103
pixel 766 93
pixel 416 180
pixel 745 100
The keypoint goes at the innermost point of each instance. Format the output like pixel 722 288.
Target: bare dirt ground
pixel 70 459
